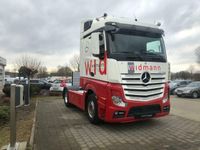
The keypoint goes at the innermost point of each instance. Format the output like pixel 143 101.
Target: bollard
pixel 26 95
pixel 19 95
pixel 13 145
pixel 16 100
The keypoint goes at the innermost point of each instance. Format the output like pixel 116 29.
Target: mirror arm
pixel 100 56
pixel 96 55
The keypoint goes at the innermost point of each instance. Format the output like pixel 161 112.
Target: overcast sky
pixel 50 29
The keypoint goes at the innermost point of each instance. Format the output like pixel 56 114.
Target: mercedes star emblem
pixel 146 77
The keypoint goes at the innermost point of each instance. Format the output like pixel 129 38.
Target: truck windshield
pixel 136 46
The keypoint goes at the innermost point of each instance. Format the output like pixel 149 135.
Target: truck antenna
pixel 158 23
pixel 135 17
pixel 105 15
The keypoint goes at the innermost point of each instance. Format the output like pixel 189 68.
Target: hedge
pixel 4 114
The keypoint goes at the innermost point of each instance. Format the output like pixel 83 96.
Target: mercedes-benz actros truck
pixel 124 71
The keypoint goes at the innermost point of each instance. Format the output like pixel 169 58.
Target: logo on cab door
pixel 93 66
pixel 130 67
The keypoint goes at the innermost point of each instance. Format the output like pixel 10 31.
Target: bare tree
pixel 191 70
pixel 181 75
pixel 64 71
pixel 42 72
pixel 28 62
pixel 28 67
pixel 75 62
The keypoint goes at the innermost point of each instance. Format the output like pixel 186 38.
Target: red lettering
pixel 102 65
pixel 159 68
pixel 131 68
pixel 140 67
pixel 144 67
pixel 88 66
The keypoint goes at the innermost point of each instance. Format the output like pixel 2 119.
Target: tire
pixel 195 95
pixel 179 95
pixel 174 93
pixel 64 92
pixel 92 109
pixel 66 101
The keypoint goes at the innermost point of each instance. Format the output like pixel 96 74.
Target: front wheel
pixel 195 95
pixel 66 100
pixel 92 109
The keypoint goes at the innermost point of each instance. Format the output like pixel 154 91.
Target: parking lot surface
pixel 61 128
pixel 186 107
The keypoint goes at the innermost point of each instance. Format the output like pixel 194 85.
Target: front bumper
pixel 136 111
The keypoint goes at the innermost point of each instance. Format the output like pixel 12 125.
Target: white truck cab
pixel 124 71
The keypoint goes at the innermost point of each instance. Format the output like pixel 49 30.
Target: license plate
pixel 145 116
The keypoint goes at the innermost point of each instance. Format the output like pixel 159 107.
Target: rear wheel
pixel 92 109
pixel 195 95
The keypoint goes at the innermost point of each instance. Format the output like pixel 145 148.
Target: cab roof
pixel 90 25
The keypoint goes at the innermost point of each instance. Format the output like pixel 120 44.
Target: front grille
pixel 144 110
pixel 135 89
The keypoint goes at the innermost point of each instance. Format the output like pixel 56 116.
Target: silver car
pixel 191 90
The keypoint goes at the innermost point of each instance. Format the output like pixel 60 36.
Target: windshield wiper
pixel 159 56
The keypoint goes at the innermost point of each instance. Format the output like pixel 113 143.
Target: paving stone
pixel 58 127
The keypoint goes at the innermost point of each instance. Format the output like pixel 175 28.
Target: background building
pixel 2 71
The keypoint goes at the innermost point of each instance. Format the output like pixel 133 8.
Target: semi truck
pixel 124 72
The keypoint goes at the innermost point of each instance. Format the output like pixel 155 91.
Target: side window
pixel 34 81
pixel 153 47
pixel 85 45
pixel 40 82
pixel 101 43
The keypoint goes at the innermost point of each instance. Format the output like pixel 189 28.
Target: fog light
pixel 118 101
pixel 166 108
pixel 119 114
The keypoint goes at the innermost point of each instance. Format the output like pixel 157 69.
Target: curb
pixel 33 126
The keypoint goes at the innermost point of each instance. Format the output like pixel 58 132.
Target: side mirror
pixel 95 43
pixel 111 28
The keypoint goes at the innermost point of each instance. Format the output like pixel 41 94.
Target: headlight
pixel 117 100
pixel 167 95
pixel 165 98
pixel 187 91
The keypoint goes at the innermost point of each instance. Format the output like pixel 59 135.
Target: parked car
pixel 176 84
pixel 56 86
pixel 40 83
pixel 36 86
pixel 191 90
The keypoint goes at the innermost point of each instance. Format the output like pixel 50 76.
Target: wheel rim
pixel 91 109
pixel 195 95
pixel 66 100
